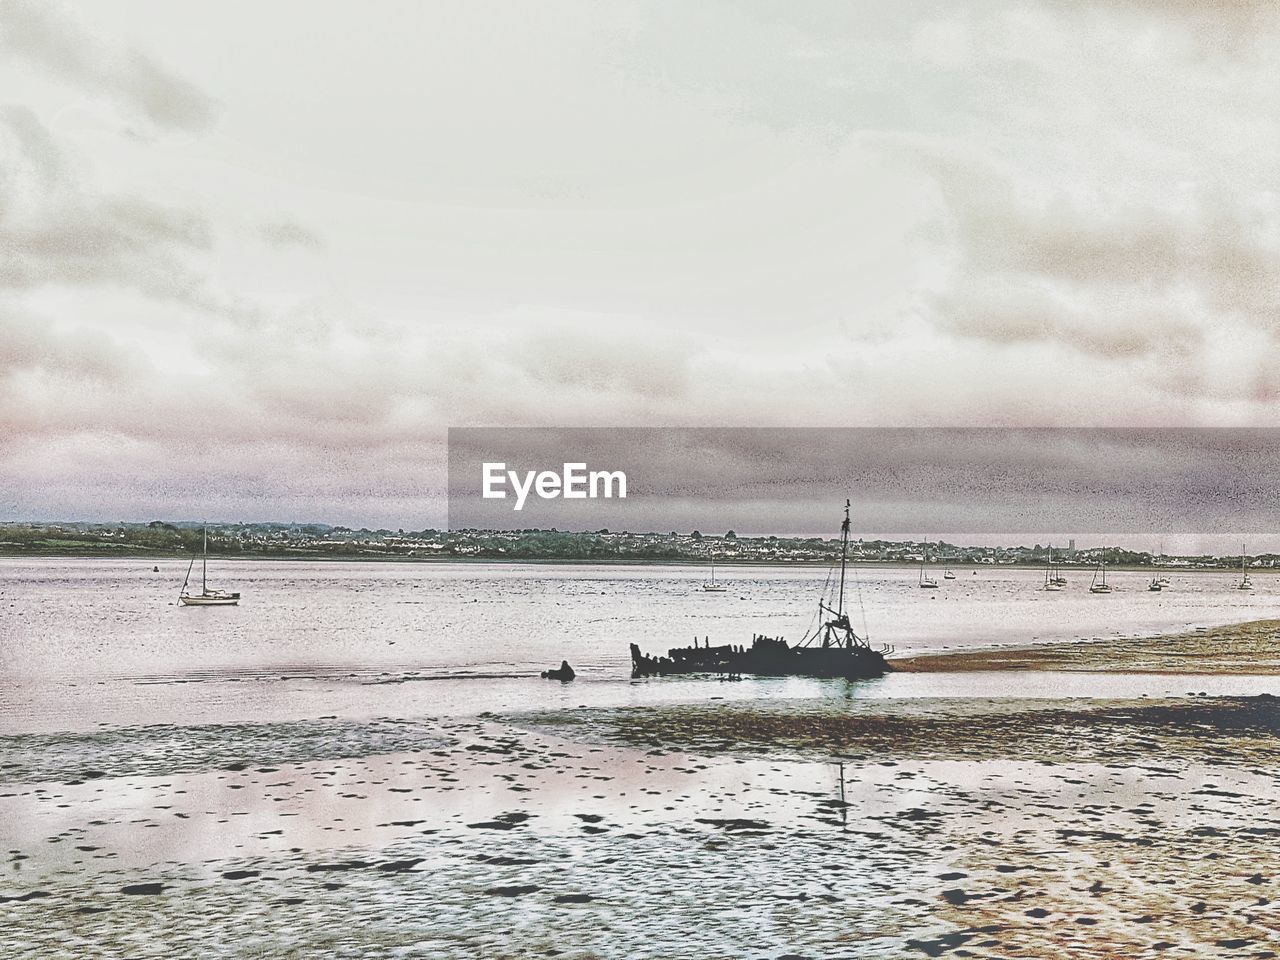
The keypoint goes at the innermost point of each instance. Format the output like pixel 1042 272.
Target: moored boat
pixel 926 583
pixel 1099 584
pixel 1245 583
pixel 713 585
pixel 206 597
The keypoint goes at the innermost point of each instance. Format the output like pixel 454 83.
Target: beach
pixel 968 805
pixel 717 830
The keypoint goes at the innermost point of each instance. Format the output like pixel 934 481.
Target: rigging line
pixel 814 623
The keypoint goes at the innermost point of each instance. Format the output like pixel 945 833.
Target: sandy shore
pixel 1244 648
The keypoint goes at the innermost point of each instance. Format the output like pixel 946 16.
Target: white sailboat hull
pixel 228 600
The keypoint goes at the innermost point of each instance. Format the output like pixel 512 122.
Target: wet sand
pixel 1245 648
pixel 853 828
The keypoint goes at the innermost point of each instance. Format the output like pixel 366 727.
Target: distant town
pixel 321 541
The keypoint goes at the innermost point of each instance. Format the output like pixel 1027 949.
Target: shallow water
pixel 86 642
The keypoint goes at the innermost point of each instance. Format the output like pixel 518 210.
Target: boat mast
pixel 844 552
pixel 204 564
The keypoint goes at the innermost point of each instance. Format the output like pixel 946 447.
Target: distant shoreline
pixel 133 553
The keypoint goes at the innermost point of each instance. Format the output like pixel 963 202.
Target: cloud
pixel 1113 278
pixel 29 143
pixel 287 232
pixel 54 231
pixel 48 36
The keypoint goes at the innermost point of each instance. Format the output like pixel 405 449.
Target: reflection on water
pixel 89 641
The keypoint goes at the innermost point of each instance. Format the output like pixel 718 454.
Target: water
pixel 85 643
pixel 309 769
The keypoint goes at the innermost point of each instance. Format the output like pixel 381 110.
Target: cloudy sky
pixel 256 258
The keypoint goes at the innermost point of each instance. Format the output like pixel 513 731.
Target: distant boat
pixel 1245 583
pixel 1161 578
pixel 206 597
pixel 711 586
pixel 1055 570
pixel 926 583
pixel 1050 581
pixel 1155 586
pixel 1099 583
pixel 948 575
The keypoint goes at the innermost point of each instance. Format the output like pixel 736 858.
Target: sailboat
pixel 206 597
pixel 1245 583
pixel 1161 578
pixel 711 586
pixel 1055 570
pixel 1050 580
pixel 831 650
pixel 1099 583
pixel 926 583
pixel 947 574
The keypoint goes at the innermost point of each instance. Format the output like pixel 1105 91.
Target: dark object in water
pixel 833 650
pixel 564 673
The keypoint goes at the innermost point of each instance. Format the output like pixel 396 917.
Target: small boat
pixel 948 575
pixel 1245 583
pixel 1053 571
pixel 926 583
pixel 1160 578
pixel 1099 583
pixel 832 650
pixel 1155 586
pixel 206 597
pixel 712 586
pixel 1050 582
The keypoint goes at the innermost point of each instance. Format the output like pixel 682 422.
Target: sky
pixel 256 259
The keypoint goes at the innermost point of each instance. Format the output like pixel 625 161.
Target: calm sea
pixel 85 643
